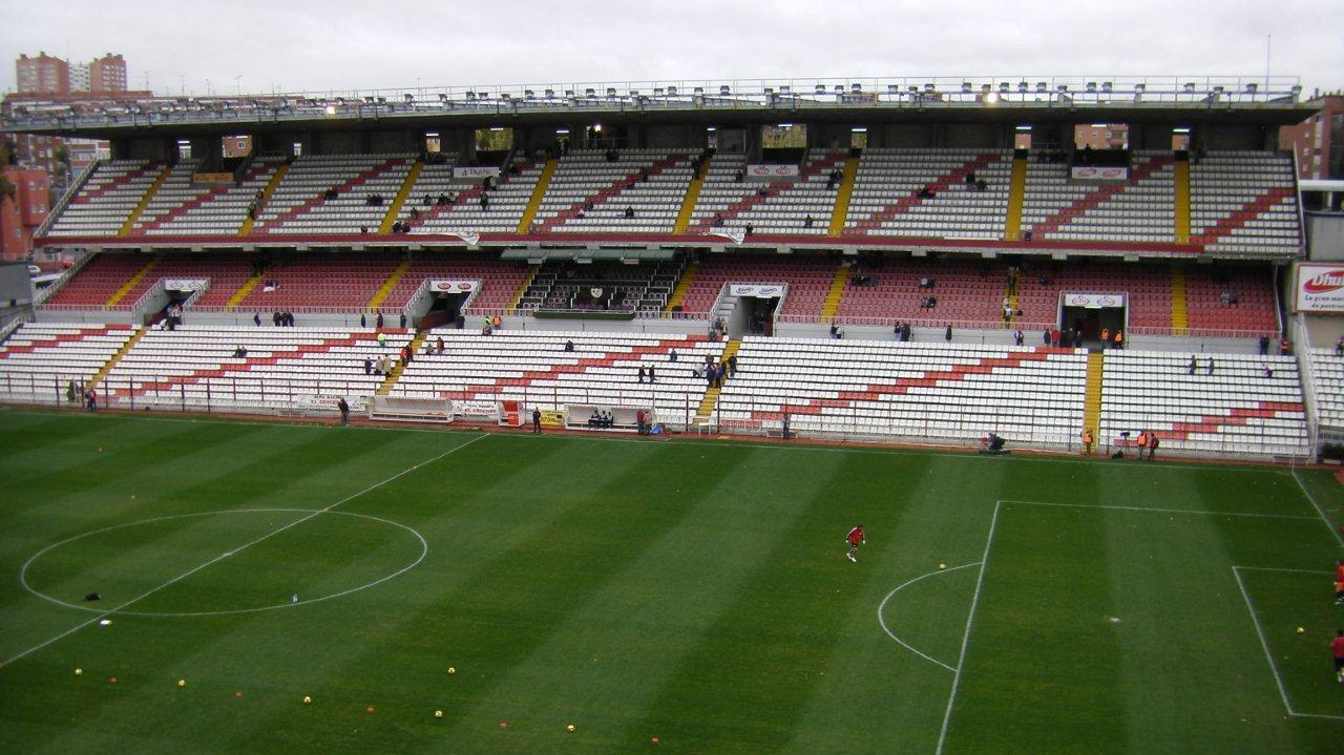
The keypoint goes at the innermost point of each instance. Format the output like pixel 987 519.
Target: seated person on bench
pixel 992 444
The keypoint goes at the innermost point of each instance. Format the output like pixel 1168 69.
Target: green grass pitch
pixel 696 592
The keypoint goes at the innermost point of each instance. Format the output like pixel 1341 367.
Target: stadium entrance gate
pixel 1092 313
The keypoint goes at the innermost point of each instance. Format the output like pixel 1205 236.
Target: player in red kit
pixel 855 538
pixel 1339 584
pixel 1337 647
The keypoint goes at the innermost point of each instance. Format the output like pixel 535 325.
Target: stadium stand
pixel 731 200
pixel 591 193
pixel 506 203
pixel 1139 209
pixel 113 273
pixel 1232 298
pixel 914 390
pixel 282 367
pixel 106 199
pixel 299 204
pixel 1244 202
pixel 182 208
pixel 1248 405
pixel 602 369
pixel 809 280
pixel 331 281
pixel 966 293
pixel 38 362
pixel 500 281
pixel 634 288
pixel 887 196
pixel 1148 289
pixel 1327 372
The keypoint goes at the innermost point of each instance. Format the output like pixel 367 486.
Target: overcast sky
pixel 303 45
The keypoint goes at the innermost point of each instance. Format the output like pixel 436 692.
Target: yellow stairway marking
pixel 243 291
pixel 266 193
pixel 395 374
pixel 123 351
pixel 538 192
pixel 126 287
pixel 144 201
pixel 837 292
pixel 392 280
pixel 692 197
pixel 711 399
pixel 1180 313
pixel 1092 403
pixel 1011 291
pixel 405 191
pixel 1182 178
pixel 527 282
pixel 1017 196
pixel 842 197
pixel 684 285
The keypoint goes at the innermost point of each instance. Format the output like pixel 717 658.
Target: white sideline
pixel 966 636
pixel 1199 512
pixel 7 661
pixel 882 607
pixel 1333 531
pixel 1264 644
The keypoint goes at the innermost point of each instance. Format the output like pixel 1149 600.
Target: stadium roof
pixel 1193 100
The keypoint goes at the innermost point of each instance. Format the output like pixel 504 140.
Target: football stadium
pixel 703 416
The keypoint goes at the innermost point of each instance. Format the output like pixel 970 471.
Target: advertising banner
pixel 1320 288
pixel 1105 174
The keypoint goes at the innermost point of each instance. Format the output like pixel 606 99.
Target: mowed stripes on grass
pixel 693 591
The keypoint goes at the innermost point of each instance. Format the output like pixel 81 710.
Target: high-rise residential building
pixel 42 75
pixel 1318 141
pixel 107 74
pixel 79 78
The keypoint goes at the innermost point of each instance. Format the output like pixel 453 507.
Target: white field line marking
pixel 882 606
pixel 1279 568
pixel 23 572
pixel 226 554
pixel 603 438
pixel 966 636
pixel 1333 531
pixel 1264 645
pixel 1197 512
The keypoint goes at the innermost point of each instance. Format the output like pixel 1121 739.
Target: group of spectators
pixel 714 372
pixel 601 420
pixel 278 319
pixel 85 394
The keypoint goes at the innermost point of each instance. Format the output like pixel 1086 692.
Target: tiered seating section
pixel 506 203
pixel 284 367
pixel 1244 203
pixel 919 391
pixel 785 205
pixel 650 182
pixel 298 205
pixel 1141 209
pixel 965 292
pixel 500 281
pixel 1149 289
pixel 1231 298
pixel 1239 409
pixel 1327 370
pixel 602 369
pixel 635 288
pixel 39 361
pixel 809 280
pixel 92 287
pixel 887 201
pixel 181 208
pixel 106 199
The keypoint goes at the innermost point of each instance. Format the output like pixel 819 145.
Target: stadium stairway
pixel 1092 402
pixel 1017 197
pixel 601 197
pixel 1011 291
pixel 384 290
pixel 131 283
pixel 266 193
pixel 705 412
pixel 692 196
pixel 522 288
pixel 395 374
pixel 243 290
pixel 772 189
pixel 942 184
pixel 1181 178
pixel 1180 313
pixel 1100 196
pixel 928 379
pixel 834 295
pixel 326 345
pixel 842 197
pixel 662 346
pixel 148 197
pixel 111 363
pixel 679 293
pixel 538 194
pixel 394 210
pixel 342 188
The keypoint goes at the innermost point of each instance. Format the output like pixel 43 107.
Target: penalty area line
pixel 966 636
pixel 231 552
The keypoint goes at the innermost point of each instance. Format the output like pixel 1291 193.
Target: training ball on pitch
pixel 438 714
pixel 655 740
pixel 452 669
pixel 307 700
pixel 569 727
pixel 181 682
pixel 111 680
pixel 369 709
pixel 942 566
pixel 1300 630
pixel 79 671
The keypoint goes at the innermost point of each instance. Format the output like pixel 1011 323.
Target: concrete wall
pixel 1324 330
pixel 670 327
pixel 1325 236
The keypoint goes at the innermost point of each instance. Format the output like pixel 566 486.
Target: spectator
pixel 1190 368
pixel 378 322
pixel 569 345
pixel 807 222
pixel 672 355
pixel 641 373
pixel 1018 337
pixel 240 352
pixel 403 320
pixel 536 421
pixel 947 336
pixel 1339 346
pixel 1105 337
pixel 1269 372
pixel 1285 346
pixel 1045 337
pixel 382 339
pixel 1119 338
pixel 256 318
pixel 1210 365
pixel 1087 441
pixel 1153 443
pixel 732 365
pixel 629 211
pixel 438 345
pixel 345 410
pixel 368 366
pixel 363 323
pixel 652 375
